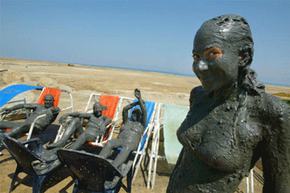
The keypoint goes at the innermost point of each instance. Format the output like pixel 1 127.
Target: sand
pixel 82 81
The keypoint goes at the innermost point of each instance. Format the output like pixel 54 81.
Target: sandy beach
pixel 81 81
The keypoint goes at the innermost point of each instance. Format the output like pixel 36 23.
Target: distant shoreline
pixel 173 73
pixel 142 70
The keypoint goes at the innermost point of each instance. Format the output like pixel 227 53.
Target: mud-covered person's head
pixel 136 114
pixel 223 47
pixel 48 100
pixel 98 109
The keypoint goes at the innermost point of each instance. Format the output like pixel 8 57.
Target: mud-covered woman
pixel 232 122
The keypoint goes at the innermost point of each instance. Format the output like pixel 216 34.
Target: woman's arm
pixel 144 112
pixel 106 121
pixel 31 106
pixel 20 106
pixel 276 137
pixel 137 94
pixel 55 110
pixel 125 113
pixel 74 114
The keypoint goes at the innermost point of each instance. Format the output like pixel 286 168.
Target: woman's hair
pixel 235 29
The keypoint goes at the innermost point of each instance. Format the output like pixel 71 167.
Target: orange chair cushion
pixel 111 103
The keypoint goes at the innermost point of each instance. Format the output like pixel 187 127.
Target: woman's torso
pixel 218 143
pixel 44 121
pixel 131 131
pixel 95 122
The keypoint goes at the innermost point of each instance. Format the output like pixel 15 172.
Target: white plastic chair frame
pixel 250 184
pixel 71 101
pixel 154 150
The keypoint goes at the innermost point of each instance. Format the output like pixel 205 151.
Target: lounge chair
pixel 8 93
pixel 140 152
pixel 30 158
pixel 91 172
pixel 25 156
pixel 113 105
pixel 55 92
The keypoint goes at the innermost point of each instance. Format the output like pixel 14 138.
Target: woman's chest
pixel 95 121
pixel 221 136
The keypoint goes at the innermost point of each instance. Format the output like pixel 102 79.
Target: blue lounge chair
pixel 10 92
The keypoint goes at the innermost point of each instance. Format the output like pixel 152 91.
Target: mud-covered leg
pixel 73 126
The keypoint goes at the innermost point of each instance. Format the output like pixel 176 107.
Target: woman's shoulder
pixel 273 106
pixel 275 102
pixel 275 118
pixel 197 92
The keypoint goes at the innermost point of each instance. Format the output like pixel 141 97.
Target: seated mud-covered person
pixel 96 127
pixel 232 122
pixel 17 128
pixel 130 133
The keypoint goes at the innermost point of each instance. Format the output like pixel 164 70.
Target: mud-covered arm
pixel 63 118
pixel 144 112
pixel 276 140
pixel 137 94
pixel 55 110
pixel 125 113
pixel 106 121
pixel 19 106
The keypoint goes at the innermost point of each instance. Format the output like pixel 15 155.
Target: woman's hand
pixel 62 119
pixel 137 93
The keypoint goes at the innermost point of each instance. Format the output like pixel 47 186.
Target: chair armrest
pixel 32 126
pixel 112 122
pixel 31 144
pixel 30 141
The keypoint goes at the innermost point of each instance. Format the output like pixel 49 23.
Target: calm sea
pixel 125 68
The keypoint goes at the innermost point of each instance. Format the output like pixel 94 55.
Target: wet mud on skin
pixel 232 122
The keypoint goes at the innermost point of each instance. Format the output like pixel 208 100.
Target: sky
pixel 145 35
